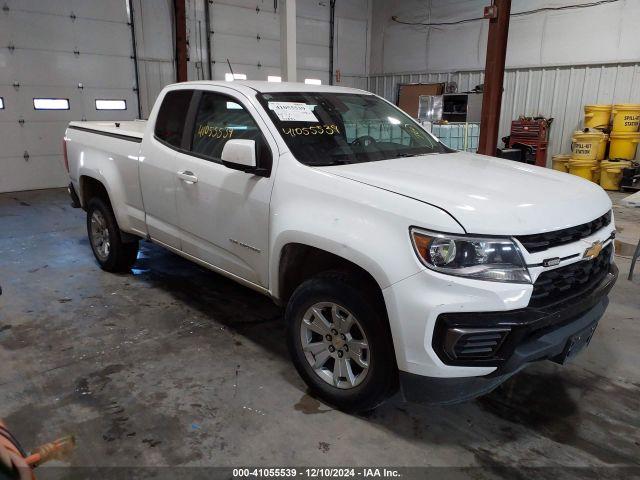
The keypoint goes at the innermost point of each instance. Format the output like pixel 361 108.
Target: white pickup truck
pixel 400 262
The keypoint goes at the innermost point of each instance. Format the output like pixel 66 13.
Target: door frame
pixel 261 122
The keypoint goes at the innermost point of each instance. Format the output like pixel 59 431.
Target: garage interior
pixel 175 365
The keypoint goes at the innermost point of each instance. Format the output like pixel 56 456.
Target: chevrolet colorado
pixel 401 263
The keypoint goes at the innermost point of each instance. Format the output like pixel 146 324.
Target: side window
pixel 220 118
pixel 172 116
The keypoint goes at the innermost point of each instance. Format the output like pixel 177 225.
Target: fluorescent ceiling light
pixel 312 81
pixel 230 77
pixel 51 103
pixel 393 121
pixel 1 103
pixel 274 78
pixel 111 104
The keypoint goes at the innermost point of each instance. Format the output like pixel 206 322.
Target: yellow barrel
pixel 602 149
pixel 586 145
pixel 597 116
pixel 623 145
pixel 583 168
pixel 611 173
pixel 626 117
pixel 561 162
pixel 597 173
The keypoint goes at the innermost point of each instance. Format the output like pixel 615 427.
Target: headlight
pixel 495 259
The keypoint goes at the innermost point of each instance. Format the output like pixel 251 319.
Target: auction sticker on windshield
pixel 292 112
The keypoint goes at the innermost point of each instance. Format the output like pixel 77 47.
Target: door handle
pixel 187 177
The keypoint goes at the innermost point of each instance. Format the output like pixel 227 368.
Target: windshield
pixel 340 128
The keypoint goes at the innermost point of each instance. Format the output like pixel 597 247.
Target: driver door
pixel 223 213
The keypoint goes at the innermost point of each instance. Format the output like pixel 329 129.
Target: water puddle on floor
pixel 310 406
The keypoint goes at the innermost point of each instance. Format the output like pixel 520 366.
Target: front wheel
pixel 110 251
pixel 340 342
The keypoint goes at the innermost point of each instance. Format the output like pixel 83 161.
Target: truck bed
pixel 108 152
pixel 127 128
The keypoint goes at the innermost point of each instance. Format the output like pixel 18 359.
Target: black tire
pixel 121 255
pixel 347 291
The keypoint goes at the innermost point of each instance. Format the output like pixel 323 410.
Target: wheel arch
pixel 300 261
pixel 90 187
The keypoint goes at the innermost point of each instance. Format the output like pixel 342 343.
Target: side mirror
pixel 240 155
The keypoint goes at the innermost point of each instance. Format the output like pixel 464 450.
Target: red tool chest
pixel 534 133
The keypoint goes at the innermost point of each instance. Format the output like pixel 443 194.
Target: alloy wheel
pixel 334 344
pixel 100 235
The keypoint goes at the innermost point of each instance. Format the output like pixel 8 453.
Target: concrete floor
pixel 176 365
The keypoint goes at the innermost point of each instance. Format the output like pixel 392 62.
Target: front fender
pixel 363 224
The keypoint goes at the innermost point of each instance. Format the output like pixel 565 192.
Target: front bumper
pixel 535 334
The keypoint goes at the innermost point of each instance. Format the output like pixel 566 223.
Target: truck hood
pixel 486 195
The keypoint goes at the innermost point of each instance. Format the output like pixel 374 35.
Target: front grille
pixel 542 241
pixel 574 279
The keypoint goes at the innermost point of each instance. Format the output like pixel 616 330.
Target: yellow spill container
pixel 584 168
pixel 597 116
pixel 586 145
pixel 561 162
pixel 602 149
pixel 623 145
pixel 626 117
pixel 611 173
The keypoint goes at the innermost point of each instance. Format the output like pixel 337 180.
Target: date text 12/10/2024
pixel 310 472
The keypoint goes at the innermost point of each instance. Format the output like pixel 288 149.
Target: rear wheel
pixel 340 342
pixel 110 251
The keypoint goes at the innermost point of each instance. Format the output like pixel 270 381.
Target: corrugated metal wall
pixel 558 92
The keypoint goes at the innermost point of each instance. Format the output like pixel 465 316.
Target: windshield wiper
pixel 331 162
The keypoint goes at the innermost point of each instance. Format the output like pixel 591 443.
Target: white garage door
pixel 247 32
pixel 73 51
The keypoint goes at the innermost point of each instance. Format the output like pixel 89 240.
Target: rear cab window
pixel 172 116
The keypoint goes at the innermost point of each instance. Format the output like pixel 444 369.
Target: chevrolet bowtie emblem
pixel 593 251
